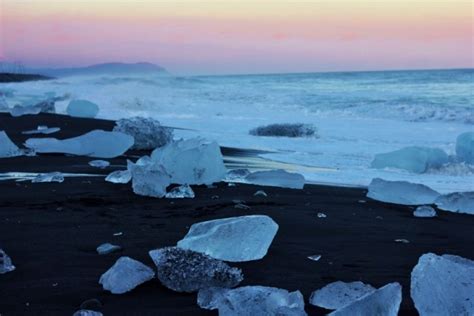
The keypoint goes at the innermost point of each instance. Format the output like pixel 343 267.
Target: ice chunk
pixel 87 312
pixel 414 159
pixel 107 248
pixel 97 143
pixel 119 176
pixel 148 132
pixel 189 271
pixel 191 161
pixel 125 275
pixel 424 211
pixel 465 147
pixel 42 129
pixel 102 164
pixel 183 191
pixel 149 179
pixel 276 178
pixel 235 239
pixel 237 174
pixel 7 147
pixel 339 294
pixel 49 177
pixel 443 285
pixel 382 302
pixel 46 106
pixel 5 263
pixel 314 257
pixel 459 202
pixel 82 108
pixel 401 192
pixel 260 193
pixel 286 130
pixel 252 300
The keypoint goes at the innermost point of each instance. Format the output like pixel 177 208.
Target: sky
pixel 240 36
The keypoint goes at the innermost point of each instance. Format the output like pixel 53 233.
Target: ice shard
pixel 339 294
pixel 5 263
pixel 401 192
pixel 101 164
pixel 276 178
pixel 7 147
pixel 49 177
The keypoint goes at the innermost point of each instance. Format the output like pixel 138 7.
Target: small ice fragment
pixel 102 164
pixel 107 248
pixel 424 211
pixel 147 132
pixel 181 192
pixel 49 177
pixel 237 174
pixel 41 129
pixel 189 271
pixel 465 147
pixel 401 192
pixel 242 206
pixel 119 176
pixel 87 312
pixel 5 263
pixel 339 294
pixel 443 285
pixel 7 147
pixel 362 201
pixel 321 215
pixel 118 234
pixel 252 300
pixel 234 239
pixel 231 184
pixel 125 275
pixel 82 108
pixel 276 178
pixel 458 202
pixel 97 143
pixel 260 193
pixel 314 257
pixel 403 241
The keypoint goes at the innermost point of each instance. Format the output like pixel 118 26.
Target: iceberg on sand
pixel 147 132
pixel 458 202
pixel 276 178
pixel 401 192
pixel 82 108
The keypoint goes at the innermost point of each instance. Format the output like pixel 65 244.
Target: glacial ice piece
pixel 87 312
pixel 234 239
pixel 424 211
pixel 383 302
pixel 101 164
pixel 119 176
pixel 260 193
pixel 82 108
pixel 465 147
pixel 46 106
pixel 107 248
pixel 125 275
pixel 286 130
pixel 443 285
pixel 49 177
pixel 401 192
pixel 459 202
pixel 339 294
pixel 148 132
pixel 42 129
pixel 314 257
pixel 189 271
pixel 414 159
pixel 237 174
pixel 5 263
pixel 149 179
pixel 97 143
pixel 252 300
pixel 276 178
pixel 7 147
pixel 181 192
pixel 191 161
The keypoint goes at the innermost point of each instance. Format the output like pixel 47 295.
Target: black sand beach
pixel 51 230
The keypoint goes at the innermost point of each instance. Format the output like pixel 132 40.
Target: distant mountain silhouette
pixel 101 69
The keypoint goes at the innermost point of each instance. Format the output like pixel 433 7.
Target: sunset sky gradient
pixel 261 36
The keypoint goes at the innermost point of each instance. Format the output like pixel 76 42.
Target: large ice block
pixel 465 147
pixel 401 192
pixel 97 143
pixel 149 134
pixel 252 300
pixel 189 271
pixel 125 275
pixel 339 294
pixel 7 147
pixel 276 178
pixel 459 202
pixel 235 239
pixel 443 285
pixel 414 159
pixel 149 179
pixel 191 161
pixel 82 108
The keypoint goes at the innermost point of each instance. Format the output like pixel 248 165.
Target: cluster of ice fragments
pixel 97 143
pixel 233 239
pixel 82 108
pixel 148 133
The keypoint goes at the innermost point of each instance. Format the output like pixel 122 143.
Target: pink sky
pixel 208 37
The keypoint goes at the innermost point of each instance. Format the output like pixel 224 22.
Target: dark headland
pixel 51 231
pixel 6 77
